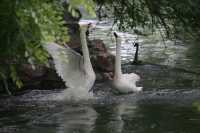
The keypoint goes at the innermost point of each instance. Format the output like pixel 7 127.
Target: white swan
pixel 74 69
pixel 123 83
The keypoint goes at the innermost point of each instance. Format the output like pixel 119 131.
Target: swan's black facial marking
pixel 88 28
pixel 115 34
pixel 90 24
pixel 136 44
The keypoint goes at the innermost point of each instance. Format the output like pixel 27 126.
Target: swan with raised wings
pixel 74 69
pixel 123 83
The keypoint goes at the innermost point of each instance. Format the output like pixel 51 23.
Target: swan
pixel 136 61
pixel 75 70
pixel 123 83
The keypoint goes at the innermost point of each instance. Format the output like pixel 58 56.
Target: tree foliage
pixel 88 5
pixel 27 25
pixel 174 16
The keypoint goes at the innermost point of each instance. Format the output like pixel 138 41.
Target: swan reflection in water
pixel 111 118
pixel 78 119
pixel 165 111
pixel 98 119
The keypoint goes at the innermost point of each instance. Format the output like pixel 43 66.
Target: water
pixel 168 104
pixel 165 111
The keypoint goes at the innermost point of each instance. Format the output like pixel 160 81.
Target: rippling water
pixel 168 104
pixel 151 111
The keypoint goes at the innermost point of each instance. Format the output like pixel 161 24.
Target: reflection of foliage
pixel 25 26
pixel 197 105
pixel 171 15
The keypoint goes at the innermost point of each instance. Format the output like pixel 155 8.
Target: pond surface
pixel 164 111
pixel 168 104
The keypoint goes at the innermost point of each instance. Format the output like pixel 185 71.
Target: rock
pixel 101 59
pixel 30 72
pixel 41 77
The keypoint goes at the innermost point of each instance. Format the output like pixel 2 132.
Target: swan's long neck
pixel 136 54
pixel 86 57
pixel 118 71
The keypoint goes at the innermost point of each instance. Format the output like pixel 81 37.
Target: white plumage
pixel 124 83
pixel 74 69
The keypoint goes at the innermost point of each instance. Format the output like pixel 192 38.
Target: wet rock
pixel 32 72
pixel 101 59
pixel 40 77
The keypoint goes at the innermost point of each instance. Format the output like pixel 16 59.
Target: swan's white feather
pixel 123 83
pixel 69 66
pixel 126 83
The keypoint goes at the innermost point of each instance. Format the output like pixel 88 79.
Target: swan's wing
pixel 69 65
